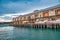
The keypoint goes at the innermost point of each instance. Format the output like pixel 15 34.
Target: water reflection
pixel 8 28
pixel 17 33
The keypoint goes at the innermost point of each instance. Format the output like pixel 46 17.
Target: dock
pixel 44 18
pixel 46 25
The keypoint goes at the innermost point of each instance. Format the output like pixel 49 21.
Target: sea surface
pixel 17 33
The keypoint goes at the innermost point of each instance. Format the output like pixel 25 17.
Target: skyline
pixel 13 8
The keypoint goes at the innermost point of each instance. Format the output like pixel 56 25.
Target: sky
pixel 13 8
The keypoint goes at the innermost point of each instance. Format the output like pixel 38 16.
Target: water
pixel 17 33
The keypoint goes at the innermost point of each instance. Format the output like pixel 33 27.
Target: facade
pixel 52 13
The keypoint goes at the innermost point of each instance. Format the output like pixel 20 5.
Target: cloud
pixel 3 19
pixel 14 8
pixel 9 17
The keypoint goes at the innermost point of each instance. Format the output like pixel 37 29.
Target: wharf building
pixel 51 13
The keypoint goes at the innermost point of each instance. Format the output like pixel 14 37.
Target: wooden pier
pixel 46 25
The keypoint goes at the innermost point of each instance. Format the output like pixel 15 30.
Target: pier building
pixel 45 18
pixel 51 13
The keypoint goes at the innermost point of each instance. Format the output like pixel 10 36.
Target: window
pixel 46 14
pixel 58 11
pixel 40 15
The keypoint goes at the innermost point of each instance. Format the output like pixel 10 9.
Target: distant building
pixel 51 13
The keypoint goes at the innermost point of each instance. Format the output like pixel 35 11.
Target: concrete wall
pixel 40 14
pixel 32 16
pixel 51 12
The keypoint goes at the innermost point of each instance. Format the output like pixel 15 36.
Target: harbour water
pixel 18 33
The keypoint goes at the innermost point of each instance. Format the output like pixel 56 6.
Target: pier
pixel 47 25
pixel 45 18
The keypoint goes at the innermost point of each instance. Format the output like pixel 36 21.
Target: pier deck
pixel 45 25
